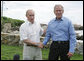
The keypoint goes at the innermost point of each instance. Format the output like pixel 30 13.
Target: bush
pixel 81 28
pixel 80 37
pixel 14 22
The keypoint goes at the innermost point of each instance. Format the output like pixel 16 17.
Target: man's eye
pixel 31 15
pixel 58 10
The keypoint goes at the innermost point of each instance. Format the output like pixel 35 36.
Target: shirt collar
pixel 30 22
pixel 60 19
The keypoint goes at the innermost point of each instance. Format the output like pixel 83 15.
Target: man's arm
pixel 72 40
pixel 72 37
pixel 29 42
pixel 47 37
pixel 24 38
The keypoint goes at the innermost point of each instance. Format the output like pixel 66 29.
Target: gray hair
pixel 28 11
pixel 58 5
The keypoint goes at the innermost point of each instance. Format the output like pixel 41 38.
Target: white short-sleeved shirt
pixel 30 31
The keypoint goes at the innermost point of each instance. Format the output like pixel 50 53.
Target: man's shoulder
pixel 66 19
pixel 22 25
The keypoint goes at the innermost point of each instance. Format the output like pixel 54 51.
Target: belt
pixel 60 41
pixel 31 45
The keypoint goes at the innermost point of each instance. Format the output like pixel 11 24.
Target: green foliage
pixel 80 37
pixel 81 28
pixel 14 22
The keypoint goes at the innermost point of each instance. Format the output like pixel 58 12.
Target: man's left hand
pixel 70 54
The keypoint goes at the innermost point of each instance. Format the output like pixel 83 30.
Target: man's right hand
pixel 40 45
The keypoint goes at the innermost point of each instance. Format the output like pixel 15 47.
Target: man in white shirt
pixel 30 32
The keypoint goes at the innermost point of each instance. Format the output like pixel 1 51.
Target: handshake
pixel 40 45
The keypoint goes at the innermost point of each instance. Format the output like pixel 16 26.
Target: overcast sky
pixel 44 10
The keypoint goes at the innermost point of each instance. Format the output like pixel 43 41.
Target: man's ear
pixel 26 15
pixel 63 11
pixel 54 11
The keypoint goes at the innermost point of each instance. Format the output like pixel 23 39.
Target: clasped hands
pixel 40 45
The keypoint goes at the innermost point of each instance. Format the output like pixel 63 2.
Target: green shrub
pixel 14 22
pixel 81 28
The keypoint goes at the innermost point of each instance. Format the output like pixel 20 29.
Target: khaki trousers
pixel 32 53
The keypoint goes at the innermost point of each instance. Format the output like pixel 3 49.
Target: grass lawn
pixel 7 53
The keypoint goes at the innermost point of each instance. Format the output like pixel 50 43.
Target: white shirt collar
pixel 27 21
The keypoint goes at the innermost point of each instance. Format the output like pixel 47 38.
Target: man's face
pixel 58 12
pixel 30 16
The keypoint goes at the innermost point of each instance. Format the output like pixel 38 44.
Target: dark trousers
pixel 59 50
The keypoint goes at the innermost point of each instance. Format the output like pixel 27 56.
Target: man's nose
pixel 32 16
pixel 58 11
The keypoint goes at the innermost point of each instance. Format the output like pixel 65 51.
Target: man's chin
pixel 32 21
pixel 58 17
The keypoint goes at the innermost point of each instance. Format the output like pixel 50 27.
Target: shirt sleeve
pixel 23 34
pixel 47 37
pixel 41 31
pixel 72 38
